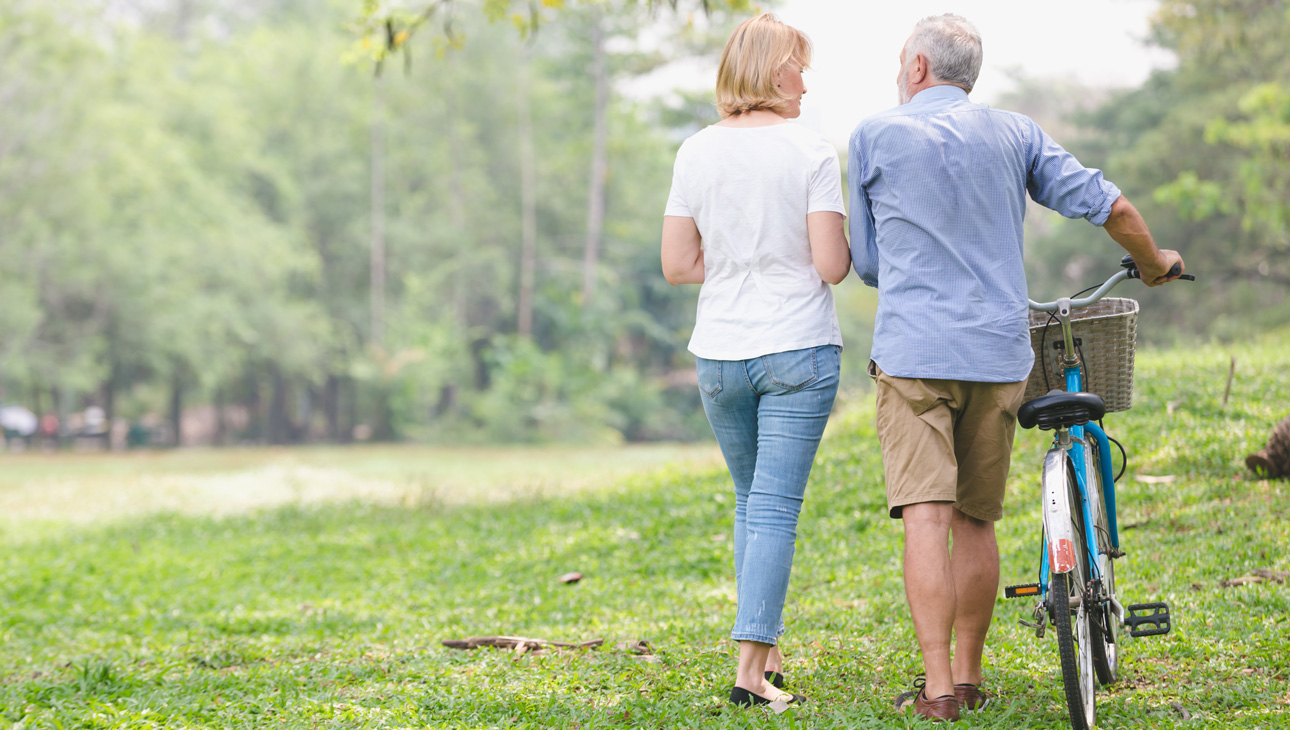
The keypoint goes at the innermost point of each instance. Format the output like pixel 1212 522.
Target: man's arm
pixel 1126 227
pixel 864 237
pixel 1058 181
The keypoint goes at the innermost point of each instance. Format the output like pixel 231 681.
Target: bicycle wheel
pixel 1066 606
pixel 1104 631
pixel 1104 626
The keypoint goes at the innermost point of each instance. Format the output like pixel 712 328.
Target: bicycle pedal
pixel 1024 590
pixel 1148 619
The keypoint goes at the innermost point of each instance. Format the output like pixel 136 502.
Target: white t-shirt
pixel 748 190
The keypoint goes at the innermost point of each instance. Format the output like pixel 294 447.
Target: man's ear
pixel 920 70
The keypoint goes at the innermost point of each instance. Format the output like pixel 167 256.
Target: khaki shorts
pixel 946 441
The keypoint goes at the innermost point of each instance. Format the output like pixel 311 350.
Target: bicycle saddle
pixel 1060 409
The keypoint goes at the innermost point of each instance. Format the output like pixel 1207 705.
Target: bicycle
pixel 1076 589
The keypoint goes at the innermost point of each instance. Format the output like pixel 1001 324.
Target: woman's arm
pixel 682 251
pixel 829 249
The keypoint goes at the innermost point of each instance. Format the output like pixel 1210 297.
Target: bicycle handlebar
pixel 1107 286
pixel 1173 271
pixel 1130 272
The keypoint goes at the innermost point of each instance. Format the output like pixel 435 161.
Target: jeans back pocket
pixel 709 376
pixel 792 370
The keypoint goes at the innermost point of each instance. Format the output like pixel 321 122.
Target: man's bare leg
pixel 930 589
pixel 974 564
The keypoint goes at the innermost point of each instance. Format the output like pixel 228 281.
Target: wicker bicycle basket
pixel 1105 332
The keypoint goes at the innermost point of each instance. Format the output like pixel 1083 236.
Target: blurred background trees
pixel 1203 150
pixel 209 216
pixel 218 221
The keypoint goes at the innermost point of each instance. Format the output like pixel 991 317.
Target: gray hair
pixel 952 47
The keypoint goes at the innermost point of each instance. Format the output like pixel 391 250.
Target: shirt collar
pixel 946 92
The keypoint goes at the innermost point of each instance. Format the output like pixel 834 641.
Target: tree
pixel 185 208
pixel 384 29
pixel 1201 151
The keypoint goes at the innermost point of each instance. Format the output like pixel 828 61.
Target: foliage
pixel 188 218
pixel 331 616
pixel 384 28
pixel 1261 184
pixel 1201 150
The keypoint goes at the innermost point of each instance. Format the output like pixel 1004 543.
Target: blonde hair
pixel 758 49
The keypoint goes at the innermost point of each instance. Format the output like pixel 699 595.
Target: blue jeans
pixel 768 415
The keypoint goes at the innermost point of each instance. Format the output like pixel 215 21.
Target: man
pixel 938 189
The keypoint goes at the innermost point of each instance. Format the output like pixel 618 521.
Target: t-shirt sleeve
pixel 826 182
pixel 676 202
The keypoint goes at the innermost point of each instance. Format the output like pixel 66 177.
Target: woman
pixel 755 215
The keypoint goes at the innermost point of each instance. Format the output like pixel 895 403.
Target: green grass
pixel 40 492
pixel 329 615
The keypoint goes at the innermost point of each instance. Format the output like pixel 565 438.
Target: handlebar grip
pixel 1173 271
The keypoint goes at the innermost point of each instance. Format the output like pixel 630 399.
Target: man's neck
pixel 924 87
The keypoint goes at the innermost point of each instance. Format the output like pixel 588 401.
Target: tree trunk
pixel 331 407
pixel 177 408
pixel 278 428
pixel 383 428
pixel 255 419
pixel 447 400
pixel 221 426
pixel 528 205
pixel 304 415
pixel 108 390
pixel 350 392
pixel 599 163
pixel 457 211
pixel 377 335
pixel 36 388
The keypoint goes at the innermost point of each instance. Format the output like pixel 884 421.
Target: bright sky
pixel 858 42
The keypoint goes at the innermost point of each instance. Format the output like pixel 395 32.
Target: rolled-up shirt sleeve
pixel 1058 181
pixel 864 236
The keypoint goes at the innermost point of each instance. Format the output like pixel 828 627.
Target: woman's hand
pixel 682 251
pixel 829 250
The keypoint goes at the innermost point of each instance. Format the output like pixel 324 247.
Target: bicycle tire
pixel 1104 632
pixel 1066 607
pixel 1104 626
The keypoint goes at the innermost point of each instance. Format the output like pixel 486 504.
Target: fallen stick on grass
pixel 517 643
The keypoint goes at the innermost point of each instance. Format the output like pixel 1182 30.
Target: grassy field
pixel 326 608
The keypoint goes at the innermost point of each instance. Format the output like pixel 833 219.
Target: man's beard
pixel 902 87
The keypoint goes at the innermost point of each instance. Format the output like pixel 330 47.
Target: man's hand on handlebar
pixel 1166 267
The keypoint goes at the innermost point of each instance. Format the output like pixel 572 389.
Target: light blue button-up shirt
pixel 938 195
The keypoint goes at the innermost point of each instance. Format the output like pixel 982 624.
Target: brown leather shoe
pixel 945 707
pixel 971 698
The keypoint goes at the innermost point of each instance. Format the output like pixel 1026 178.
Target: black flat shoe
pixel 776 679
pixel 744 698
